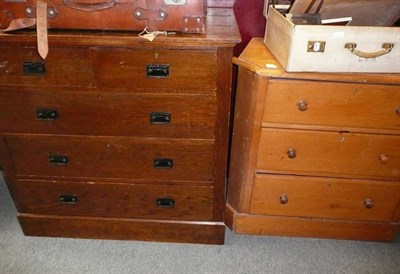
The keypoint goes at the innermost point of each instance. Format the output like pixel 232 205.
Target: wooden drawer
pixel 112 157
pixel 127 69
pixel 63 67
pixel 114 200
pixel 329 153
pixel 325 198
pixel 339 105
pixel 87 113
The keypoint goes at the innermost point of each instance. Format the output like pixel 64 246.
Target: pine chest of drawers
pixel 314 155
pixel 116 137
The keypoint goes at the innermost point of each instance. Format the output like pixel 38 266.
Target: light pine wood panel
pixel 329 153
pixel 246 132
pixel 345 106
pixel 325 198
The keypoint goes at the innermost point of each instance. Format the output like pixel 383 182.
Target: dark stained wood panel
pixel 127 69
pixel 63 67
pixel 108 114
pixel 115 200
pixel 112 157
pixel 123 229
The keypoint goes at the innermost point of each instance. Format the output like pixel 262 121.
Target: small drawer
pixel 62 67
pixel 135 70
pixel 115 200
pixel 343 106
pixel 116 114
pixel 302 196
pixel 329 153
pixel 112 157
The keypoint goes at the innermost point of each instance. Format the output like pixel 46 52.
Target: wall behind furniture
pixel 251 21
pixel 250 18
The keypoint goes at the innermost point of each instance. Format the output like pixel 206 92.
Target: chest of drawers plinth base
pixel 309 227
pixel 122 229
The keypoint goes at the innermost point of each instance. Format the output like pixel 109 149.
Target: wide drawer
pixel 112 157
pixel 343 106
pixel 325 198
pixel 62 67
pixel 114 200
pixel 132 69
pixel 89 113
pixel 329 153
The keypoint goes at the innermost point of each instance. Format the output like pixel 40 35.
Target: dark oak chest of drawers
pixel 314 154
pixel 116 137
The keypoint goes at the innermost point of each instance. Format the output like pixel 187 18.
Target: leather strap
pixel 41 29
pixel 152 22
pixel 21 23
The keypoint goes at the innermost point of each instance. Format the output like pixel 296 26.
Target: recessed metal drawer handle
pixel 46 114
pixel 58 159
pixel 165 202
pixel 368 203
pixel 34 68
pixel 163 163
pixel 157 71
pixel 386 48
pixel 398 110
pixel 160 118
pixel 67 199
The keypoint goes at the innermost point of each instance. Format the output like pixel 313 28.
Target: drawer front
pixel 115 200
pixel 329 153
pixel 302 196
pixel 117 114
pixel 333 104
pixel 101 157
pixel 148 69
pixel 62 67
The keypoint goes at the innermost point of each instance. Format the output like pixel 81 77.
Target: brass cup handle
pixel 283 199
pixel 368 203
pixel 386 48
pixel 384 159
pixel 302 105
pixel 291 153
pixel 398 110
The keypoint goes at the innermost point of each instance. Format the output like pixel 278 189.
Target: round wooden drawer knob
pixel 398 110
pixel 384 159
pixel 291 153
pixel 302 105
pixel 368 203
pixel 283 199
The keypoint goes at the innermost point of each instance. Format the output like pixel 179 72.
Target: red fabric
pixel 251 21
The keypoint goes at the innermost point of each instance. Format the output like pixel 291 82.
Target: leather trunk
pixel 165 15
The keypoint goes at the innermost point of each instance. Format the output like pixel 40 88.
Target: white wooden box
pixel 320 48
